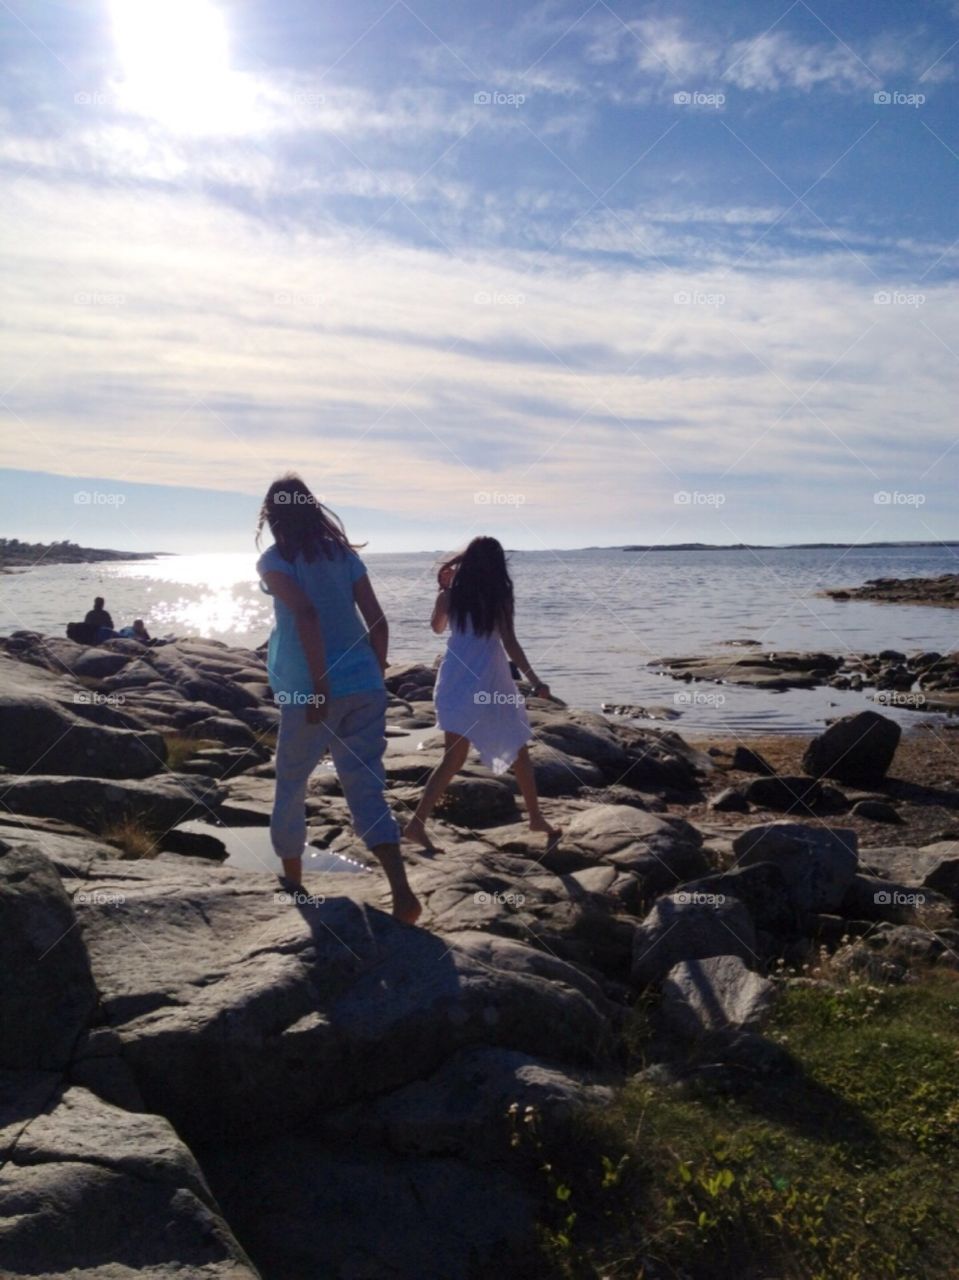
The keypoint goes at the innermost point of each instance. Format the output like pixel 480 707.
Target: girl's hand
pixel 541 691
pixel 445 578
pixel 316 707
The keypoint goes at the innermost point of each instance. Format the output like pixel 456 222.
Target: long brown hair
pixel 300 523
pixel 482 590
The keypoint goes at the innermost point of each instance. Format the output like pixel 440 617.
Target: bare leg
pixel 457 749
pixel 293 870
pixel 523 768
pixel 406 905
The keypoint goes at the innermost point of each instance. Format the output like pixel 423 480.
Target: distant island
pixel 786 546
pixel 15 554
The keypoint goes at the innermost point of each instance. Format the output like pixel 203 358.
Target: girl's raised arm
pixel 441 611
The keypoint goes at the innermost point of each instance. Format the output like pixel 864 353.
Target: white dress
pixel 477 698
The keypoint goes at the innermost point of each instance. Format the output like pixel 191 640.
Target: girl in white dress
pixel 476 699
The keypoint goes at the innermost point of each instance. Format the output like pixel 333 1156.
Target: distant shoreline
pixel 15 554
pixel 783 546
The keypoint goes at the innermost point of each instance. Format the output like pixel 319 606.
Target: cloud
pixel 216 350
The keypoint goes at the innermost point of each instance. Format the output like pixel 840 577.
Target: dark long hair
pixel 482 590
pixel 300 523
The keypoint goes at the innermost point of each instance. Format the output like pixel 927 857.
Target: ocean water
pixel 590 621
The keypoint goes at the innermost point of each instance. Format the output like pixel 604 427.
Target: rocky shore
pixel 926 681
pixel 942 591
pixel 202 1077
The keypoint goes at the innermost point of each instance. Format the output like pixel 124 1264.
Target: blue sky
pixel 573 274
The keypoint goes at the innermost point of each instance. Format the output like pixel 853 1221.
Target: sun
pixel 175 66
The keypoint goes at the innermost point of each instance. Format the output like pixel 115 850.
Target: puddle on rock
pixel 248 849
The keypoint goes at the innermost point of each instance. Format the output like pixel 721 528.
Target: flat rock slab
pixel 160 802
pixel 232 1008
pixel 308 1211
pixel 934 866
pixel 463 1109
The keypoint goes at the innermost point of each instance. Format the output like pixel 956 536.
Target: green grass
pixel 846 1168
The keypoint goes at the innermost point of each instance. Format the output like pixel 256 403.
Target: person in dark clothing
pixel 98 616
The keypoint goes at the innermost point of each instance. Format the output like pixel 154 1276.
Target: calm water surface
pixel 590 621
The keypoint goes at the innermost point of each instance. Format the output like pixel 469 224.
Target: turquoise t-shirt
pixel 351 662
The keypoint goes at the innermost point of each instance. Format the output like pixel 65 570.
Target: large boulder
pixel 663 851
pixel 478 802
pixel 857 749
pixel 818 863
pixel 763 890
pixel 584 736
pixel 42 730
pixel 715 994
pixel 785 794
pixel 91 1190
pixel 559 774
pixel 682 926
pixel 47 995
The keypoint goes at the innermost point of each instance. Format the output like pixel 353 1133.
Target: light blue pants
pixel 355 732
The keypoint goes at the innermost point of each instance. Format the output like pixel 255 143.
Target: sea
pixel 591 621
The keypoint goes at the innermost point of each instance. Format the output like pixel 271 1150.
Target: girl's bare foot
pixel 406 906
pixel 415 832
pixel 541 825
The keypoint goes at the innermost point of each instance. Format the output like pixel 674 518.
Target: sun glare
pixel 175 66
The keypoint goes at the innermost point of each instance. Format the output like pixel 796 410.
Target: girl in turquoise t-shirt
pixel 326 657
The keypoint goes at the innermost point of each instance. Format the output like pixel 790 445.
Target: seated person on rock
pixel 99 618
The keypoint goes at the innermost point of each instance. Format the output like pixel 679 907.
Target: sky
pixel 573 274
